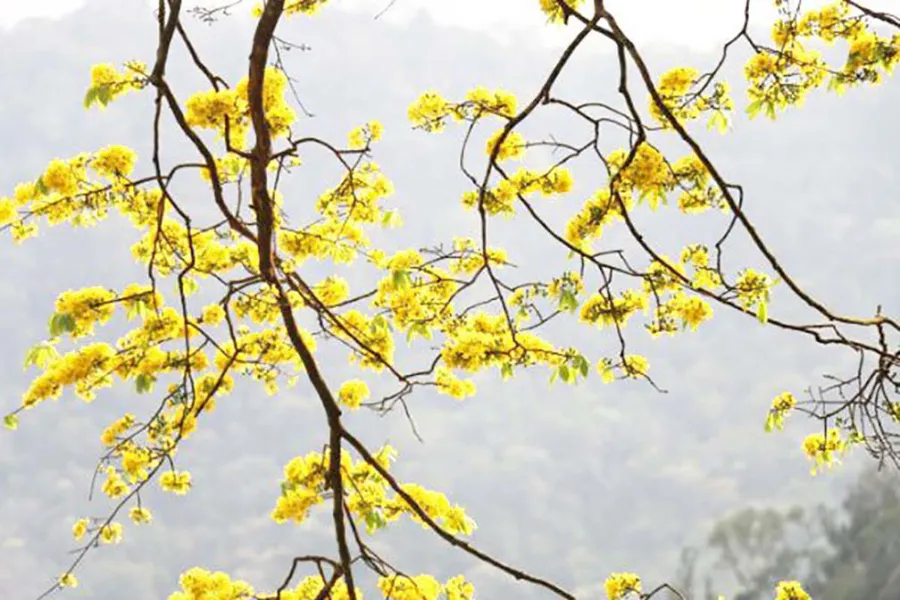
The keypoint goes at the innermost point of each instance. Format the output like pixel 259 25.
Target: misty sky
pixel 697 24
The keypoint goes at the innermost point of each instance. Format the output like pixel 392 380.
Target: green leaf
pixel 380 322
pixel 390 218
pixel 68 322
pixel 583 365
pixel 375 521
pixel 139 308
pixel 401 279
pixel 104 94
pixel 567 301
pixel 40 186
pixel 90 97
pixel 61 323
pixel 41 354
pixel 506 371
pixel 11 421
pixel 762 313
pixel 188 284
pixel 769 423
pixel 719 121
pixel 565 373
pixel 144 383
pixel 753 109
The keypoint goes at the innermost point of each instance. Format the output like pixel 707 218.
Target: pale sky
pixel 700 24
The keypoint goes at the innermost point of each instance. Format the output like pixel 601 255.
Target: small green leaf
pixel 506 371
pixel 753 109
pixel 375 521
pixel 139 308
pixel 40 187
pixel 104 94
pixel 762 313
pixel 718 121
pixel 401 279
pixel 143 383
pixel 565 373
pixel 61 323
pixel 11 421
pixel 567 301
pixel 583 366
pixel 90 97
pixel 41 354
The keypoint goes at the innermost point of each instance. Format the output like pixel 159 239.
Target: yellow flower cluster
pixel 784 76
pixel 673 90
pixel 824 449
pixel 114 486
pixel 790 590
pixel 140 515
pixel 502 198
pixel 363 136
pixel 418 299
pixel 606 310
pixel 634 366
pixel 310 588
pixel 479 341
pixel 356 198
pixel 295 7
pixel 513 146
pixel 263 354
pixel 228 111
pixel 371 333
pixel 618 585
pixel 177 482
pixel 200 584
pixel 306 481
pixel 87 307
pixel 111 534
pixel 114 161
pixel 333 239
pixel 80 528
pixel 86 369
pixel 781 406
pixel 425 587
pixel 554 11
pixel 107 83
pixel 451 385
pixel 352 393
pixel 752 287
pixel 431 110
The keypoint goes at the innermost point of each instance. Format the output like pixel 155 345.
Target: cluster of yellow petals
pixel 555 12
pixel 674 91
pixel 368 495
pixel 501 199
pixel 790 590
pixel 431 110
pixel 824 449
pixel 619 585
pixel 425 587
pixel 784 75
pixel 200 584
pixel 227 110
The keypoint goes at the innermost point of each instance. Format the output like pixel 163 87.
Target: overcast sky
pixel 698 24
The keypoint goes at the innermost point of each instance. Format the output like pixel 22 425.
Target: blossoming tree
pixel 456 302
